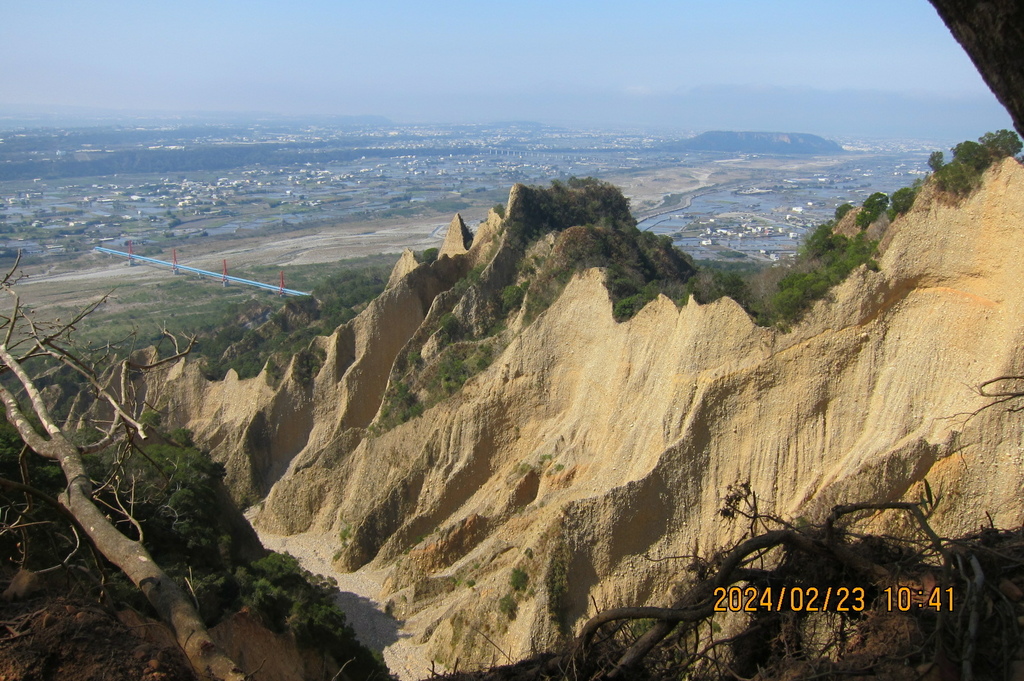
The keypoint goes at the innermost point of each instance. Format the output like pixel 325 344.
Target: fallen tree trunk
pixel 171 604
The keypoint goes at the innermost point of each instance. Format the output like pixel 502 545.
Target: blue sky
pixel 635 63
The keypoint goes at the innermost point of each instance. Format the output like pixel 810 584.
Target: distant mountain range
pixel 758 143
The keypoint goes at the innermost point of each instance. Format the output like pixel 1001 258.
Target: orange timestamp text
pixel 830 599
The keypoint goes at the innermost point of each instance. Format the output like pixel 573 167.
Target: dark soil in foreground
pixel 45 639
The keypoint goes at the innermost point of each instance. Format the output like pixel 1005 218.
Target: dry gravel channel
pixel 358 592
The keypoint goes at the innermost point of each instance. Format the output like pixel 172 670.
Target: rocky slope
pixel 555 478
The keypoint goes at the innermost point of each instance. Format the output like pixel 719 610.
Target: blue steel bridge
pixel 222 276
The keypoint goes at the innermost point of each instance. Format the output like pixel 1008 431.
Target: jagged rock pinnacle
pixel 407 263
pixel 458 238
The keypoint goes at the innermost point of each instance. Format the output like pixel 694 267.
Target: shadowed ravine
pixel 357 597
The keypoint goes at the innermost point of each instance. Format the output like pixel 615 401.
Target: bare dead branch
pixel 9 275
pixel 101 390
pixel 984 392
pixel 696 604
pixel 38 406
pixel 170 602
pixel 110 438
pixel 57 507
pixel 975 604
pixel 178 352
pixel 20 422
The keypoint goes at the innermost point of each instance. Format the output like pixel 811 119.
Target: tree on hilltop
pixel 902 200
pixel 972 155
pixel 873 207
pixel 962 175
pixel 1001 143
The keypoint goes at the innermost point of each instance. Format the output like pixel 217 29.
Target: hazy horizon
pixel 828 68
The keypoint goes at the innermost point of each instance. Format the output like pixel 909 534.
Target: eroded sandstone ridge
pixel 588 450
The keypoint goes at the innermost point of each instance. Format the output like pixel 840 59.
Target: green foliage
pixel 445 376
pixel 508 606
pixel 710 285
pixel 308 361
pixel 149 418
pixel 482 357
pixel 957 179
pixel 449 329
pixel 519 580
pixel 170 490
pixel 290 331
pixel 1001 143
pixel 458 364
pixel 176 501
pixel 556 581
pixel 174 494
pixel 786 292
pixel 400 405
pixel 182 437
pixel 453 371
pixel 833 257
pixel 499 208
pixel 178 507
pixel 842 210
pixel 472 277
pixel 962 175
pixel 578 201
pixel 903 200
pixel 872 209
pixel 512 297
pixel 292 599
pixel 638 267
pixel 971 154
pixel 429 255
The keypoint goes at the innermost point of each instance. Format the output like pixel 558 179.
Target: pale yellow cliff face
pixel 258 431
pixel 617 441
pixel 457 239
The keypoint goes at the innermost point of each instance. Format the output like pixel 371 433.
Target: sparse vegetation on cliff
pixel 827 259
pixel 962 175
pixel 638 267
pixel 550 234
pixel 779 296
pixel 575 202
pixel 279 336
pixel 642 417
pixel 593 227
pixel 170 495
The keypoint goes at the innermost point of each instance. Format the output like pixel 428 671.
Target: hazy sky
pixel 673 62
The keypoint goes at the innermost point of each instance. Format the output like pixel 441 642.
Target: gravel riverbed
pixel 358 597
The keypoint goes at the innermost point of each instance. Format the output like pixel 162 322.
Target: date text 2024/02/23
pixel 832 599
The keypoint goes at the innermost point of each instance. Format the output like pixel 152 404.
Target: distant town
pixel 65 191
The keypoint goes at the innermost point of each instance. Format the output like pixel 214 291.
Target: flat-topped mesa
pixel 458 239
